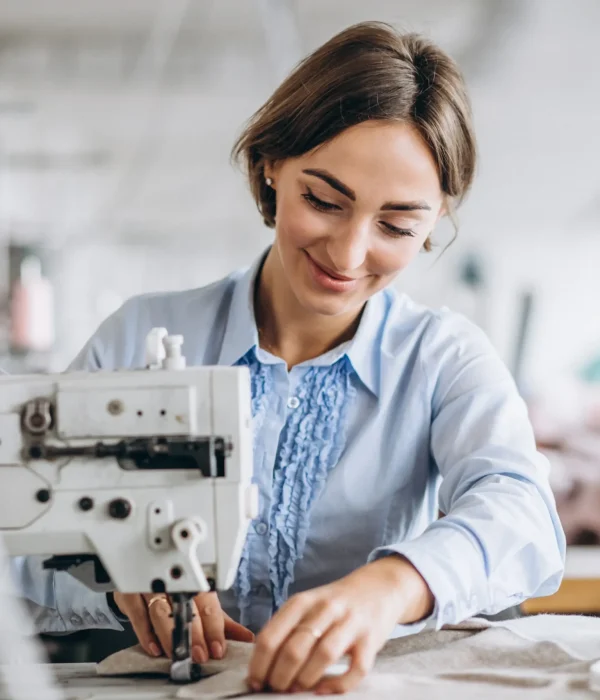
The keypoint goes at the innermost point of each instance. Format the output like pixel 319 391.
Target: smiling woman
pixel 349 225
pixel 353 160
pixel 370 411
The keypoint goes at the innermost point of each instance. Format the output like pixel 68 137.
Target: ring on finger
pixel 155 599
pixel 315 631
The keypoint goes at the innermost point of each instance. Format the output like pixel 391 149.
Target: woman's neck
pixel 288 330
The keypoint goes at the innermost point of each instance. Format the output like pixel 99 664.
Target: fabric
pixel 435 418
pixel 539 658
pixel 135 661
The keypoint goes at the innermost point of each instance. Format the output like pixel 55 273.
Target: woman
pixel 362 399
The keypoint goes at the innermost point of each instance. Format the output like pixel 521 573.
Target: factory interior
pixel 117 120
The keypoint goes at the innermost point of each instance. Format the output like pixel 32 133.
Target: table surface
pixel 80 682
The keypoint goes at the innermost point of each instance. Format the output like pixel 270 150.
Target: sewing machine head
pixel 140 479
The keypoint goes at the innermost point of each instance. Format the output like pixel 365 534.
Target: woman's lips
pixel 330 280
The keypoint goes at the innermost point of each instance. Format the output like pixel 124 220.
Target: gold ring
pixel 315 631
pixel 155 598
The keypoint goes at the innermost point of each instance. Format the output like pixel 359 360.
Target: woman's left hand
pixel 353 616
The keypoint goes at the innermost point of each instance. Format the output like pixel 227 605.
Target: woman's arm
pixel 56 601
pixel 500 541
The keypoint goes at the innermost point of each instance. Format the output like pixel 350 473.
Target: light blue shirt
pixel 356 450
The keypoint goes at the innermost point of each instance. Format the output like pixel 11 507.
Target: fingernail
pixel 296 688
pixel 154 650
pixel 255 685
pixel 216 650
pixel 199 654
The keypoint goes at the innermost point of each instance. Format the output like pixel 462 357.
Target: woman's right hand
pixel 150 616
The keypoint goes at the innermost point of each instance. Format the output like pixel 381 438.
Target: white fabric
pixel 545 657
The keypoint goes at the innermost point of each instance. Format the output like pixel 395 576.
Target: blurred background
pixel 116 122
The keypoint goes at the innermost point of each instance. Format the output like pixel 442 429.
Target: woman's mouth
pixel 328 279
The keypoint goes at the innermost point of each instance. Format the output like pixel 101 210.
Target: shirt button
pixel 76 620
pixel 88 619
pixel 293 402
pixel 261 528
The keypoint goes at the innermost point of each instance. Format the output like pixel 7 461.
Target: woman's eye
pixel 319 204
pixel 397 232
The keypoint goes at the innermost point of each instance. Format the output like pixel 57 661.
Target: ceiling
pixel 116 118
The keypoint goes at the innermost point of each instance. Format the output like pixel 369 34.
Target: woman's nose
pixel 348 249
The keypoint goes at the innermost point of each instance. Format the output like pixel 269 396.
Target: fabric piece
pixel 310 446
pixel 536 658
pixel 229 684
pixel 134 660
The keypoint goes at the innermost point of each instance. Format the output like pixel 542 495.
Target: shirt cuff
pixel 452 567
pixel 81 608
pixel 114 608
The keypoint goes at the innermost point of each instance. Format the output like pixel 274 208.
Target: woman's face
pixel 353 213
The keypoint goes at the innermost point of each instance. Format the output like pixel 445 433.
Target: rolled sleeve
pixel 500 541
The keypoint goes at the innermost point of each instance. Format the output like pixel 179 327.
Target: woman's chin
pixel 323 304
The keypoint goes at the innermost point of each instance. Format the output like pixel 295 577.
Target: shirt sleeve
pixel 57 601
pixel 500 541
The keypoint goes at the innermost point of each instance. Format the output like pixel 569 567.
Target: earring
pixel 269 181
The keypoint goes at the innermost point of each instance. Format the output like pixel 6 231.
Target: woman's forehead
pixel 388 156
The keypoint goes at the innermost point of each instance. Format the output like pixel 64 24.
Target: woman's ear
pixel 270 171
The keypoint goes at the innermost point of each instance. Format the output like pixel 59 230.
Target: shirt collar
pixel 364 350
pixel 241 334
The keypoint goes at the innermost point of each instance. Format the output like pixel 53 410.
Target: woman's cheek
pixel 301 226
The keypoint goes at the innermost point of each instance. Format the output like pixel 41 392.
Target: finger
pixel 330 649
pixel 213 624
pixel 199 649
pixel 159 614
pixel 363 658
pixel 235 631
pixel 134 606
pixel 298 648
pixel 272 637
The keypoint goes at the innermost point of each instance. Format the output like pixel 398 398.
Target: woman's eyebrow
pixel 406 206
pixel 332 182
pixel 338 185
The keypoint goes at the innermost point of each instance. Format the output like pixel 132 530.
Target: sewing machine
pixel 136 481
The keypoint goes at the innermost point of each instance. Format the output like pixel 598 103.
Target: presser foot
pixel 183 668
pixel 185 671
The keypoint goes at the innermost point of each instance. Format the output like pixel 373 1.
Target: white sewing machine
pixel 139 479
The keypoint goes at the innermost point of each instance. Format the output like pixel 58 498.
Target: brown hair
pixel 366 72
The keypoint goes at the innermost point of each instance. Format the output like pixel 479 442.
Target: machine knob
pixel 174 358
pixel 37 416
pixel 155 349
pixel 119 508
